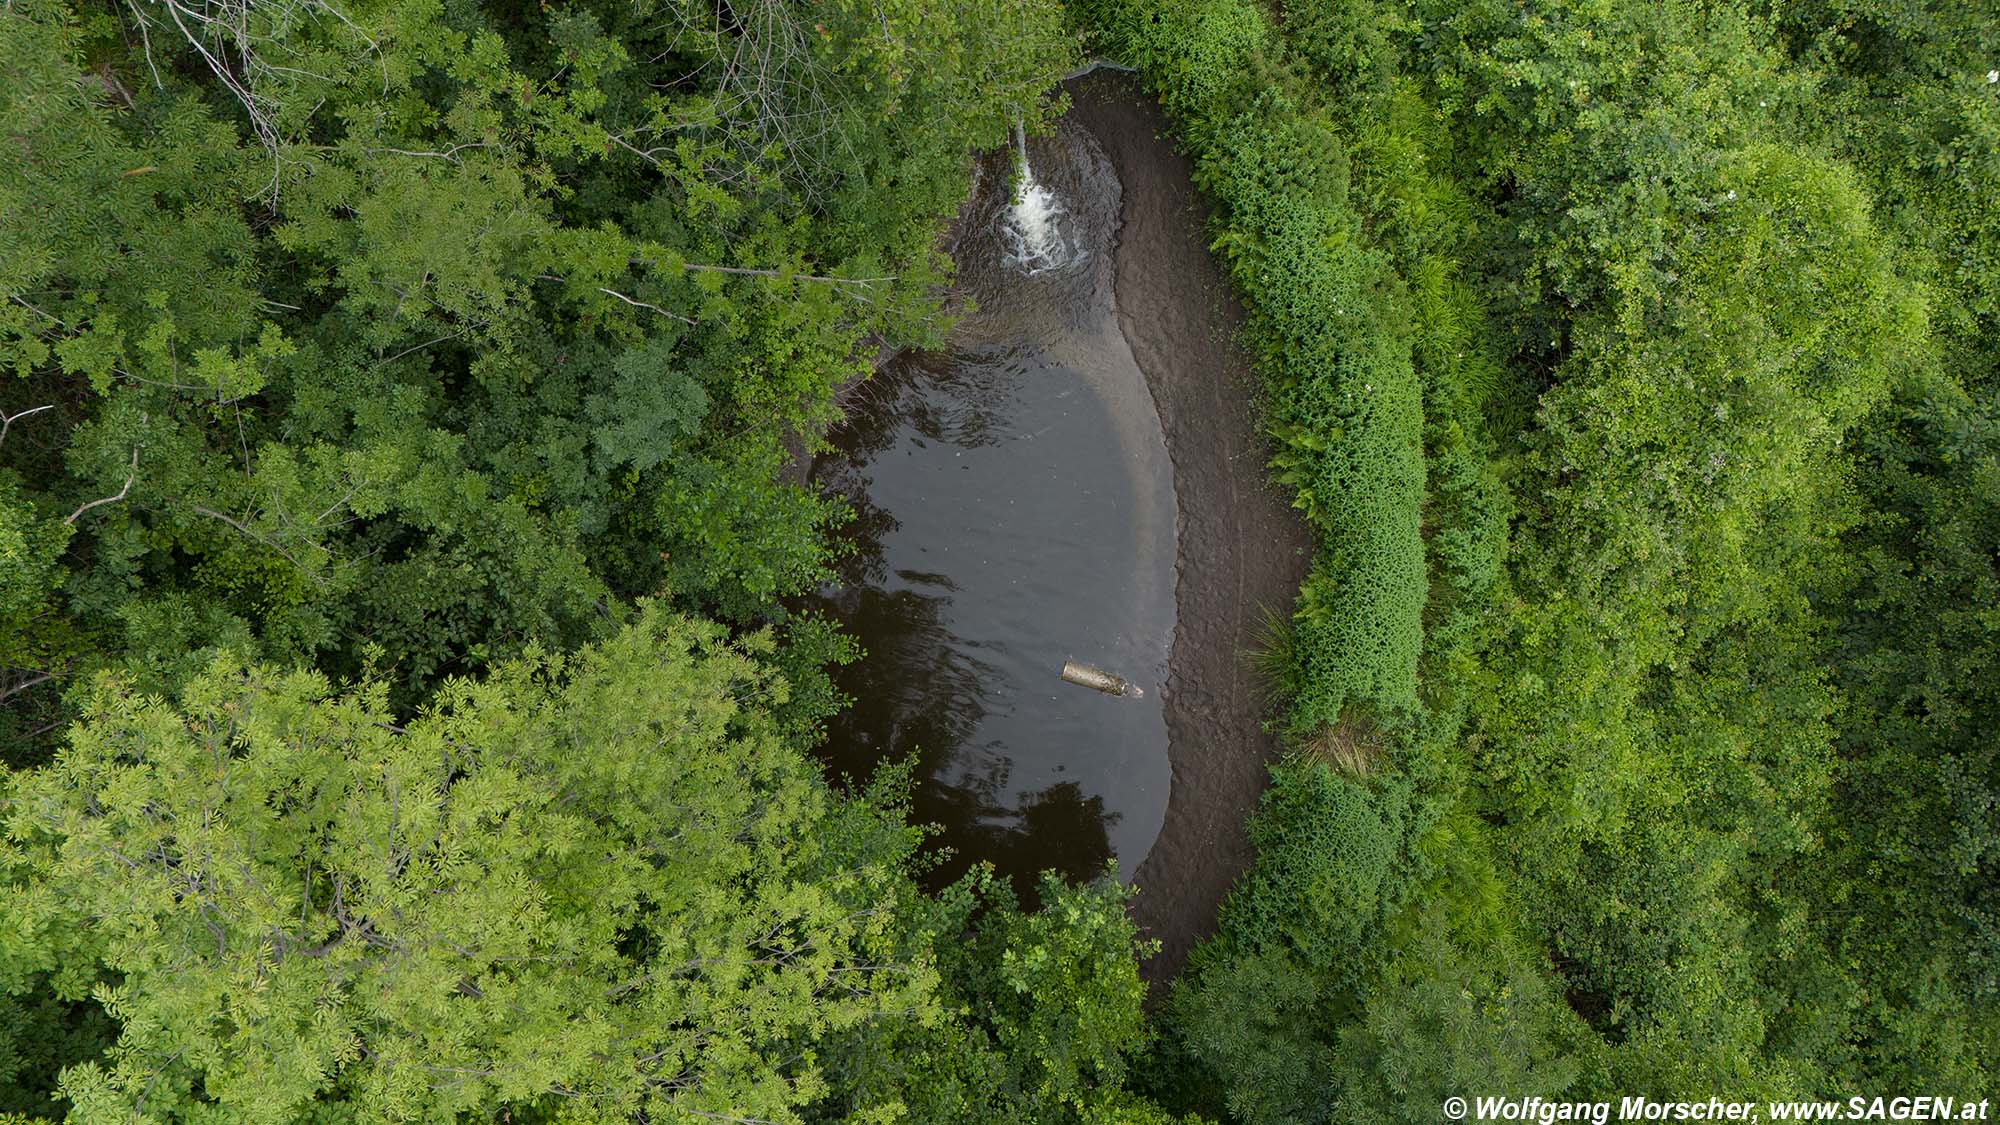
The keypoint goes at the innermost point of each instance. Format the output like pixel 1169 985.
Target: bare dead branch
pixel 645 155
pixel 7 420
pixel 646 305
pixel 23 302
pixel 233 38
pixel 120 495
pixel 145 43
pixel 768 89
pixel 425 344
pixel 695 267
pixel 24 685
pixel 450 154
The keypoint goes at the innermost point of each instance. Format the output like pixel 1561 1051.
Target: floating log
pixel 1099 679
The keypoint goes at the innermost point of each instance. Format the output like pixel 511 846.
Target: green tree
pixel 1651 316
pixel 412 336
pixel 1909 96
pixel 597 887
pixel 589 887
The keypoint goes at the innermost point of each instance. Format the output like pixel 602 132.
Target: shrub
pixel 1343 401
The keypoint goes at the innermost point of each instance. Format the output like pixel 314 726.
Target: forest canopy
pixel 407 715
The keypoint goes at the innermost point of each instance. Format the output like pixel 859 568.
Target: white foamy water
pixel 1037 231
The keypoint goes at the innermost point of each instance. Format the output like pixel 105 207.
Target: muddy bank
pixel 1241 548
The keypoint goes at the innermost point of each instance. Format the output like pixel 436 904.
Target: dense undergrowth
pixel 1677 332
pixel 402 720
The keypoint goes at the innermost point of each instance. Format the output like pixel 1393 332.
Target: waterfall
pixel 1035 234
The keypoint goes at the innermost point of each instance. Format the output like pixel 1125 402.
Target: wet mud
pixel 1241 548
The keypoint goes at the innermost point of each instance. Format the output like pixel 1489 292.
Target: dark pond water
pixel 1015 510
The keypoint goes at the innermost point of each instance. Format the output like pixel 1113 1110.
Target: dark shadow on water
pixel 896 715
pixel 1059 827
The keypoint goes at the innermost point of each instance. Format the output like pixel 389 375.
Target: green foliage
pixel 1633 365
pixel 29 550
pixel 1657 734
pixel 1325 847
pixel 1906 94
pixel 592 881
pixel 1648 295
pixel 1059 987
pixel 1365 969
pixel 741 533
pixel 1046 1008
pixel 1428 223
pixel 1914 837
pixel 1455 1013
pixel 1904 98
pixel 1348 47
pixel 447 330
pixel 421 342
pixel 586 888
pixel 645 411
pixel 1716 312
pixel 1261 999
pixel 44 1034
pixel 1343 401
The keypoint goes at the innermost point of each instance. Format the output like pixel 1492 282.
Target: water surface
pixel 1015 509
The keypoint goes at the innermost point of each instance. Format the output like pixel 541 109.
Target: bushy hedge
pixel 1329 333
